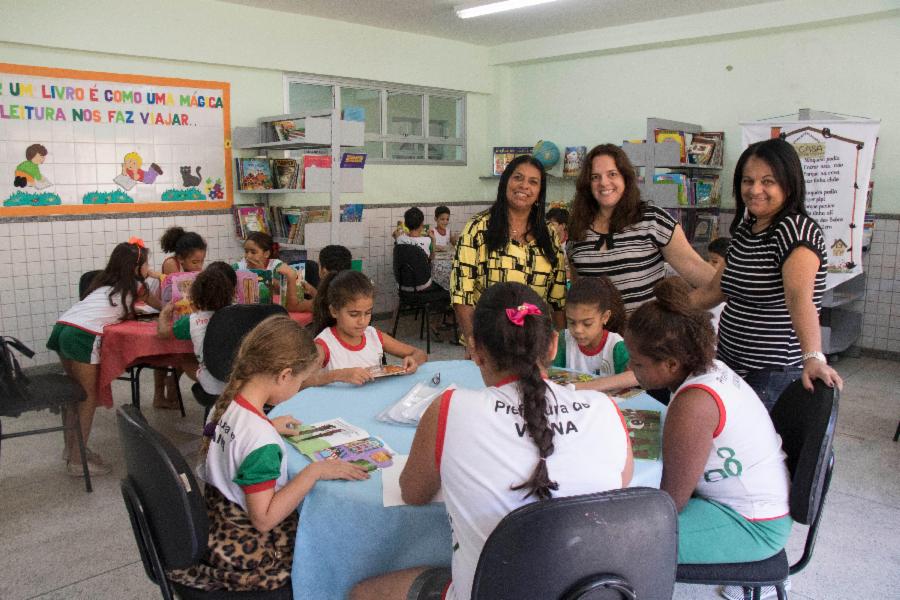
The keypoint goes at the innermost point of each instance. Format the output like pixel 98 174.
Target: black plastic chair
pixel 20 394
pixel 416 291
pixel 615 544
pixel 167 509
pixel 226 329
pixel 133 376
pixel 805 421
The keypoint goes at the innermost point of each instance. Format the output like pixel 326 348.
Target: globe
pixel 547 153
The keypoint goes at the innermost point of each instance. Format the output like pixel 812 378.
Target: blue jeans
pixel 769 383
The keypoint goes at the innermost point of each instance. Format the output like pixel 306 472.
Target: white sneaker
pixel 736 592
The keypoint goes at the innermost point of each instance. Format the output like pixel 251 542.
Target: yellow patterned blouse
pixel 474 268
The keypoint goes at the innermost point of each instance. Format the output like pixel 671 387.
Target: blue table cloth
pixel 346 534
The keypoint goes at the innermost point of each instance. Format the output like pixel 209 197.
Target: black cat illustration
pixel 189 179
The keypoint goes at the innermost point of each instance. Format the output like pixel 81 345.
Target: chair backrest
pixel 172 504
pixel 805 421
pixel 564 548
pixel 13 381
pixel 225 331
pixel 85 282
pixel 411 266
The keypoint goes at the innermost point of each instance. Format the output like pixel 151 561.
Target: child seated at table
pixel 211 290
pixel 110 298
pixel 332 259
pixel 348 345
pixel 494 450
pixel 261 253
pixel 251 503
pixel 722 459
pixel 441 237
pixel 414 223
pixel 188 253
pixel 591 342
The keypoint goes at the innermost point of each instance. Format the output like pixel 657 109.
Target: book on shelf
pixel 706 190
pixel 338 440
pixel 254 174
pixel 573 160
pixel 250 219
pixel 679 179
pixel 707 148
pixel 354 113
pixel 665 135
pixel 286 172
pixel 353 160
pixel 351 213
pixel 318 161
pixel 644 430
pixel 290 130
pixel 503 155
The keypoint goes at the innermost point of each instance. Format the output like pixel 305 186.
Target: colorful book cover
pixel 255 173
pixel 678 179
pixel 338 440
pixel 386 371
pixel 353 160
pixel 665 135
pixel 565 377
pixel 176 288
pixel 574 160
pixel 254 286
pixel 252 218
pixel 644 431
pixel 320 161
pixel 503 155
pixel 289 131
pixel 351 213
pixel 354 113
pixel 286 171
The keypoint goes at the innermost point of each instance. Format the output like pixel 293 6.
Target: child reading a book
pixel 188 251
pixel 210 291
pixel 76 337
pixel 349 347
pixel 591 344
pixel 441 238
pixel 250 500
pixel 261 253
pixel 717 256
pixel 722 460
pixel 414 222
pixel 332 259
pixel 496 449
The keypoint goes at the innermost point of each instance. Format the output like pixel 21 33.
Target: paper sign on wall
pixel 80 142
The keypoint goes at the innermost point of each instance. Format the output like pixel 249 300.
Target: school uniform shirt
pixel 483 449
pixel 272 265
pixel 246 454
pixel 745 469
pixel 422 241
pixel 341 355
pixel 95 312
pixel 610 357
pixel 193 327
pixel 441 239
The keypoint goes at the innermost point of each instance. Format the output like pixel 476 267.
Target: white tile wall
pixel 881 311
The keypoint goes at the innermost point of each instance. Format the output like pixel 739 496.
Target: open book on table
pixel 337 439
pixel 644 431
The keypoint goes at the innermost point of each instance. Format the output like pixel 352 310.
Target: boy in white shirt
pixel 414 222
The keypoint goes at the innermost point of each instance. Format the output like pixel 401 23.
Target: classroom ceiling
pixel 437 17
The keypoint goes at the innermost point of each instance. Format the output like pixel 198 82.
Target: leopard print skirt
pixel 240 558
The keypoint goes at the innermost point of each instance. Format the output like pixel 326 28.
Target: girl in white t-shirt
pixel 76 337
pixel 591 342
pixel 251 502
pixel 349 347
pixel 722 459
pixel 261 253
pixel 522 439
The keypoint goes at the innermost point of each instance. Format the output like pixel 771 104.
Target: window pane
pixel 369 101
pixel 404 113
pixel 400 151
pixel 443 117
pixel 372 149
pixel 304 97
pixel 444 152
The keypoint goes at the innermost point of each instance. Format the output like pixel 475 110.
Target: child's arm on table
pixel 421 479
pixel 286 425
pixel 620 381
pixel 412 356
pixel 354 375
pixel 268 508
pixel 149 298
pixel 164 324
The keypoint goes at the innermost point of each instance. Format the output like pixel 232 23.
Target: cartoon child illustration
pixel 28 172
pixel 131 167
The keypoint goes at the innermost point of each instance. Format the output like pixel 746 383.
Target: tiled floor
pixel 56 541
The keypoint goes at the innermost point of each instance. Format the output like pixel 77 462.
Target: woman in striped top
pixel 613 233
pixel 775 277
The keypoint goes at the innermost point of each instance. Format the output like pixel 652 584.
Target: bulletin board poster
pixel 837 157
pixel 79 142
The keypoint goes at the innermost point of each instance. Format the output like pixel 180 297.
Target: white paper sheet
pixel 390 483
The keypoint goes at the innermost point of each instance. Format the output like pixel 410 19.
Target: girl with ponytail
pixel 251 502
pixel 522 439
pixel 722 460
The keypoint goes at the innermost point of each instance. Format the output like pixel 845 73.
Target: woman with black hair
pixel 510 242
pixel 775 277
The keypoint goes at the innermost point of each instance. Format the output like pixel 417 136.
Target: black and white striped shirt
pixel 755 331
pixel 633 261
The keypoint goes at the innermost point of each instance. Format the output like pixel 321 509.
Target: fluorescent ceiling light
pixel 467 12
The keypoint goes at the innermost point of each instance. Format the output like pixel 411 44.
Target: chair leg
pixel 757 593
pixel 396 319
pixel 897 433
pixel 780 592
pixel 135 378
pixel 421 324
pixel 426 322
pixel 82 449
pixel 177 375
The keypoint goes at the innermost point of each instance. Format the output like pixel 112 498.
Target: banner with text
pixel 837 160
pixel 82 142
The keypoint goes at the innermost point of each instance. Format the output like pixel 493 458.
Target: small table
pixel 346 534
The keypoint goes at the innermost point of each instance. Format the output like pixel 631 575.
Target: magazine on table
pixel 338 440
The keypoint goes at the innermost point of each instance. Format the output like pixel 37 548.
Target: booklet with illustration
pixel 337 439
pixel 386 371
pixel 644 431
pixel 565 377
